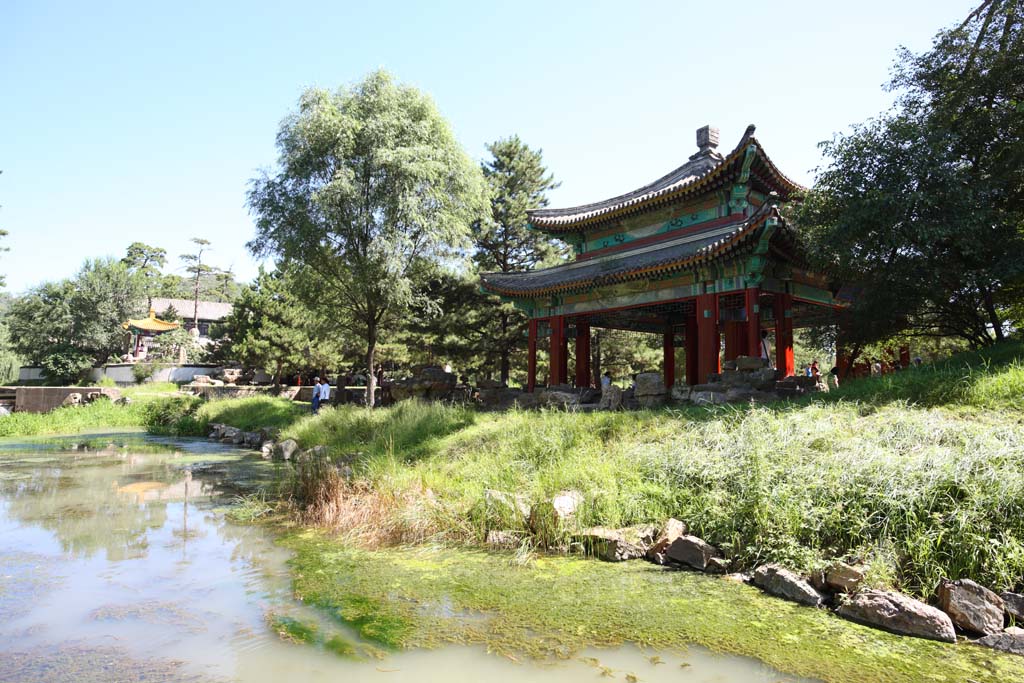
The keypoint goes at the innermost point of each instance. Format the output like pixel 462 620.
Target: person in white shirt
pixel 325 391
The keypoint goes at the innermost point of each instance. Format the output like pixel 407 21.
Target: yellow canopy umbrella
pixel 150 324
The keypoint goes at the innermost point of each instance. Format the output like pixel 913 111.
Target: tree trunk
pixel 993 315
pixel 505 351
pixel 277 374
pixel 371 352
pixel 854 355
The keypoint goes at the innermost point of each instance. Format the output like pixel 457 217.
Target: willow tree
pixel 371 186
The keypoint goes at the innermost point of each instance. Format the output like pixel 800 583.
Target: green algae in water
pixel 556 607
pixel 290 628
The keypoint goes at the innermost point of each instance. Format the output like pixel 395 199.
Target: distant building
pixel 210 312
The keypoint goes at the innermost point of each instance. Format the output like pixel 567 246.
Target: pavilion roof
pixel 662 258
pixel 704 171
pixel 149 324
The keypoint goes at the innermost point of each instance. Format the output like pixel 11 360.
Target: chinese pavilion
pixel 698 255
pixel 142 331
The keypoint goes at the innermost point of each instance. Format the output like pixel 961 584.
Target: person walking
pixel 325 392
pixel 606 380
pixel 316 395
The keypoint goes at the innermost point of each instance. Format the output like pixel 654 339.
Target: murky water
pixel 117 564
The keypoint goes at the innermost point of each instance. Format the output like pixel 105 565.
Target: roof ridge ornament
pixel 707 143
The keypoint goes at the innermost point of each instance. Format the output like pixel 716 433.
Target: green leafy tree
pixel 271 328
pixel 146 261
pixel 921 209
pixel 177 346
pixel 371 187
pixel 70 325
pixel 518 182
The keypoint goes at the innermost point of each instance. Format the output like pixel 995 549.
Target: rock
pixel 238 437
pixel 704 398
pixel 216 431
pixel 898 613
pixel 504 540
pixel 611 545
pixel 557 398
pixel 972 607
pixel 507 508
pixel 781 582
pixel 1011 640
pixel 611 398
pixel 749 363
pixel 72 399
pixel 651 400
pixel 267 449
pixel 650 384
pixel 285 449
pixel 672 530
pixel 657 558
pixel 739 395
pixel 718 565
pixel 842 577
pixel 123 401
pixel 525 401
pixel 1013 603
pixel 691 551
pixel 566 503
pixel 680 393
pixel 201 379
pixel 487 383
pixel 590 395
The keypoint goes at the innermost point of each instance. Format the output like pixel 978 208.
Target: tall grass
pixel 72 419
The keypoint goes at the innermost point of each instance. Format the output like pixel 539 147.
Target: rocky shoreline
pixel 965 610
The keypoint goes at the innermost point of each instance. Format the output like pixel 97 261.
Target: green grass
pixel 554 607
pixel 191 416
pixel 917 490
pixel 74 419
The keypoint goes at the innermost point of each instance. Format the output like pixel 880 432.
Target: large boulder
pixel 707 398
pixel 971 606
pixel 898 613
pixel 560 399
pixel 691 551
pixel 1013 603
pixel 611 398
pixel 680 392
pixel 286 449
pixel 549 518
pixel 672 530
pixel 844 578
pixel 72 399
pixel 616 545
pixel 1011 640
pixel 778 581
pixel 504 540
pixel 650 384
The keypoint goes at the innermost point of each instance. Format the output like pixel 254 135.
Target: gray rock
pixel 749 363
pixel 1011 640
pixel 611 398
pixel 286 449
pixel 704 398
pixel 691 551
pixel 72 399
pixel 898 613
pixel 1014 605
pixel 611 545
pixel 672 530
pixel 566 503
pixel 972 607
pixel 776 580
pixel 739 395
pixel 651 400
pixel 557 398
pixel 650 384
pixel 549 517
pixel 680 392
pixel 842 577
pixel 267 450
pixel 718 565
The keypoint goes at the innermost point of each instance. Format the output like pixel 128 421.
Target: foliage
pixel 177 346
pixel 74 419
pixel 518 182
pixel 371 186
pixel 146 261
pixel 271 328
pixel 67 324
pixel 922 207
pixel 198 270
pixel 191 416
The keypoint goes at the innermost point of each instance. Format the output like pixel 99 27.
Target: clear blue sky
pixel 129 121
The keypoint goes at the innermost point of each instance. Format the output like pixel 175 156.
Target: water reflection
pixel 116 564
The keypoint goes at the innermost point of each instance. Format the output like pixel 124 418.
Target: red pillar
pixel 691 349
pixel 668 348
pixel 582 354
pixel 783 306
pixel 563 357
pixel 735 339
pixel 708 338
pixel 905 356
pixel 531 358
pixel 557 349
pixel 751 297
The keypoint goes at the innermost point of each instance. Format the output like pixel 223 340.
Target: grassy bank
pixel 918 491
pixel 553 607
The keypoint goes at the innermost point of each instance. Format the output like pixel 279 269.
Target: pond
pixel 118 563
